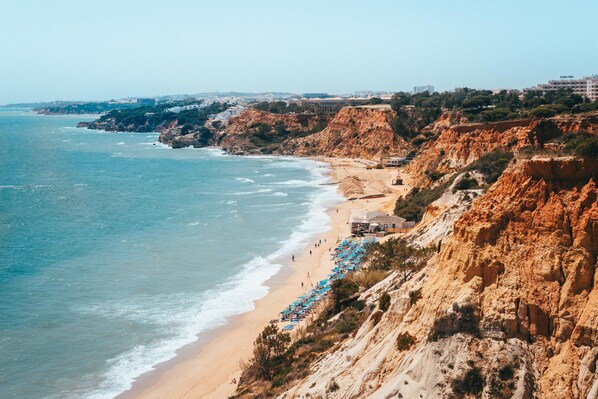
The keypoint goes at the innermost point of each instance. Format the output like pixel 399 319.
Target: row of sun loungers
pixel 348 257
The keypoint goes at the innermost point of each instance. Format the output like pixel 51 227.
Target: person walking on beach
pixel 302 284
pixel 310 251
pixel 293 257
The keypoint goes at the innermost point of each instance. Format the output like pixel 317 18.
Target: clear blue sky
pixel 78 49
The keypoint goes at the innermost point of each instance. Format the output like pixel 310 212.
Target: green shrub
pixel 546 111
pixel 413 205
pixel 370 277
pixel 384 302
pixel 349 321
pixel 492 164
pixel 377 316
pixel 405 341
pixel 466 184
pixel 434 175
pixel 343 289
pixel 415 296
pixel 472 383
pixel 584 147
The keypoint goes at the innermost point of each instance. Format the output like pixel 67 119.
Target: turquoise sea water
pixel 115 251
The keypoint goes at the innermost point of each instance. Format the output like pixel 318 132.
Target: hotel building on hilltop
pixel 586 86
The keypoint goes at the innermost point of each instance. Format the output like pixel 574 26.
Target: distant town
pixel 587 87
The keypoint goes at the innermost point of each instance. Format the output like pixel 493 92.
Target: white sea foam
pixel 201 313
pixel 120 143
pixel 260 191
pixel 279 194
pixel 244 180
pixel 214 152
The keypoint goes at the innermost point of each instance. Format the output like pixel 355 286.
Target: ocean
pixel 116 250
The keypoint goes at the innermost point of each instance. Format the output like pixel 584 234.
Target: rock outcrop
pixel 460 144
pixel 509 307
pixel 256 131
pixel 355 132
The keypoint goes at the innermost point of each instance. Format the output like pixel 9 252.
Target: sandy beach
pixel 206 369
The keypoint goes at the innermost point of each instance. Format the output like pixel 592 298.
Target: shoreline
pixel 206 367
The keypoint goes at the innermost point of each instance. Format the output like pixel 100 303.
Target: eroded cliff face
pixel 252 116
pixel 354 132
pixel 460 144
pixel 509 307
pixel 255 131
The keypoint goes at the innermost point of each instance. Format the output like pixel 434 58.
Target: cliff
pixel 355 132
pixel 256 131
pixel 460 144
pixel 508 306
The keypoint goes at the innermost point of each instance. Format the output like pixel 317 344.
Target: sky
pixel 99 50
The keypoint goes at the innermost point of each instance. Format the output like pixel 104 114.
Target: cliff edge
pixel 508 306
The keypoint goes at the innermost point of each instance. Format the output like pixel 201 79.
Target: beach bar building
pixel 359 222
pixel 363 222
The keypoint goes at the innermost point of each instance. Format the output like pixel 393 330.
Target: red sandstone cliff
pixel 356 132
pixel 511 294
pixel 460 144
pixel 252 116
pixel 256 131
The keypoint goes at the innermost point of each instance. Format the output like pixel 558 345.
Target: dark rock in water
pixel 83 124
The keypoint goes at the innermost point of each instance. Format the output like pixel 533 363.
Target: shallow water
pixel 115 251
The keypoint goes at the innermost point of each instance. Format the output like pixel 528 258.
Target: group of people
pixel 348 256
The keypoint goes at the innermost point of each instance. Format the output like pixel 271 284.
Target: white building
pixel 586 86
pixel 421 89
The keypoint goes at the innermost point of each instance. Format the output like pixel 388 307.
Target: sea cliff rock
pixel 256 131
pixel 508 307
pixel 460 144
pixel 356 132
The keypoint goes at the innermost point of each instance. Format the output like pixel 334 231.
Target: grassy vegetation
pixel 282 107
pixel 413 205
pixel 466 183
pixel 85 108
pixel 583 146
pixel 270 137
pixel 484 106
pixel 276 362
pixel 152 117
pixel 491 165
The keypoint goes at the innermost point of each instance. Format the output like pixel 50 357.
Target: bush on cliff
pixel 413 205
pixel 491 165
pixel 342 290
pixel 384 302
pixel 471 383
pixel 546 111
pixel 583 147
pixel 397 254
pixel 405 341
pixel 269 351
